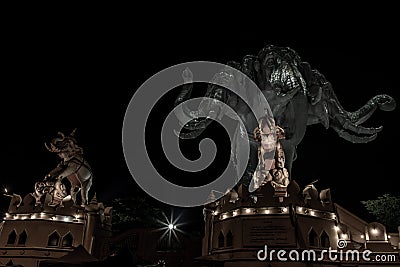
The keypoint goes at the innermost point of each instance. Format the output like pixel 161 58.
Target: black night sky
pixel 65 79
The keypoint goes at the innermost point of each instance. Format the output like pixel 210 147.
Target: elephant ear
pixel 257 65
pixel 306 71
pixel 241 79
pixel 312 79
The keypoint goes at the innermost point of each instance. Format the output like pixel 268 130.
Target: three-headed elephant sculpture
pixel 298 96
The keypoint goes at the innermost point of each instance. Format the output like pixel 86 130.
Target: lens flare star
pixel 171 226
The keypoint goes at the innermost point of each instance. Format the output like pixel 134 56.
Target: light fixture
pixel 266 211
pixel 299 209
pixel 312 213
pixel 388 236
pixel 234 213
pixel 284 209
pixel 362 236
pixel 224 216
pixel 374 230
pixel 248 210
pixel 170 227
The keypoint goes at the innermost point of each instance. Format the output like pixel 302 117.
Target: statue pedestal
pixel 280 192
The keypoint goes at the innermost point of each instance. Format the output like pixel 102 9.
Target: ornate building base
pixel 274 228
pixel 31 234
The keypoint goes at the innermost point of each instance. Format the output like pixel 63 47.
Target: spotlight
pixel 170 227
pixel 299 209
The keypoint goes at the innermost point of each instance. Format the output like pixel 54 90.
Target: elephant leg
pixel 74 191
pixel 296 116
pixel 85 191
pixel 290 152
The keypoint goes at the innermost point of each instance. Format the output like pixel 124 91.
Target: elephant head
pixel 278 71
pixel 328 111
pixel 211 105
pixel 284 78
pixel 64 146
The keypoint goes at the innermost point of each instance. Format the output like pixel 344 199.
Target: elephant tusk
pixel 358 129
pixel 182 115
pixel 54 148
pixel 190 135
pixel 48 148
pixel 354 138
pixel 62 135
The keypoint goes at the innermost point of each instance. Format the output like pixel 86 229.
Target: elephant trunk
pixel 209 107
pixel 189 119
pixel 348 124
pixel 383 102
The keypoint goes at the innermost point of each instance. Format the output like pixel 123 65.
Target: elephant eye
pixel 270 62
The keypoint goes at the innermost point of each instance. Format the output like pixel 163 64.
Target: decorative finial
pixel 94 200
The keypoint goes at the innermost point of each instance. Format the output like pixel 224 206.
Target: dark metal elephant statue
pixel 298 96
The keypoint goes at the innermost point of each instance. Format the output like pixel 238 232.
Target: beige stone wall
pixel 38 231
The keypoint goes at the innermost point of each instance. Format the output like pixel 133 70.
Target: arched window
pixel 67 240
pixel 325 243
pixel 22 238
pixel 54 240
pixel 221 240
pixel 229 239
pixel 11 238
pixel 312 238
